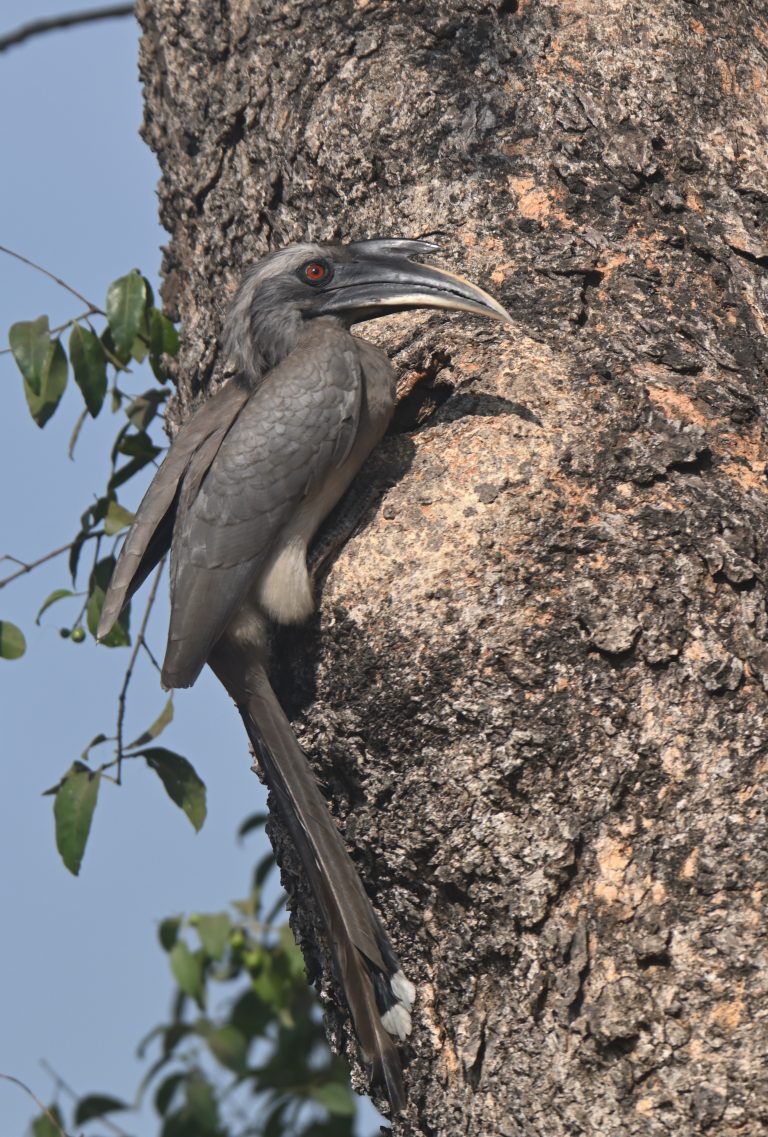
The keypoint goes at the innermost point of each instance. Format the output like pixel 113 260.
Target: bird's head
pixel 359 281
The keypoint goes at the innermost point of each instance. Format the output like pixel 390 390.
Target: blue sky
pixel 81 976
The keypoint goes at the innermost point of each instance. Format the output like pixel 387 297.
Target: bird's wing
pixel 188 458
pixel 296 428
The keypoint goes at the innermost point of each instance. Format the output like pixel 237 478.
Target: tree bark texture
pixel 536 688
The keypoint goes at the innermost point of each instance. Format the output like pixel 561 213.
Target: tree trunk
pixel 536 689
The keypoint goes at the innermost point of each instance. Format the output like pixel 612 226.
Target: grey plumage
pixel 244 487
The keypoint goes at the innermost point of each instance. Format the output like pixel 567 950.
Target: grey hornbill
pixel 242 491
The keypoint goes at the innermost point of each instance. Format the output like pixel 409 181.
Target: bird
pixel 244 487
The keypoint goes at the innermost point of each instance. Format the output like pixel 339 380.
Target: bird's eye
pixel 315 272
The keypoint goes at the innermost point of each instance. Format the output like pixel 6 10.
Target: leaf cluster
pixel 256 1066
pixel 134 331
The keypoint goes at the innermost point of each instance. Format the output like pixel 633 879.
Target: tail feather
pixel 378 994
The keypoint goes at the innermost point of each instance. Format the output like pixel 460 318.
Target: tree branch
pixel 66 20
pixel 93 309
pixel 43 1108
pixel 28 567
pixel 65 1086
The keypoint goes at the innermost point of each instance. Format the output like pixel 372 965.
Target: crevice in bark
pixel 474 1073
pixel 752 258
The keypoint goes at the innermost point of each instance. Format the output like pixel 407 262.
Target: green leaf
pixel 227 1045
pixel 201 1103
pixel 30 341
pixel 187 969
pixel 97 1105
pixel 172 1036
pixel 139 349
pixel 126 302
pixel 99 582
pixel 275 1124
pixel 138 445
pixel 126 472
pixel 97 741
pixel 163 337
pixel 74 554
pixel 165 1092
pixel 213 931
pixel 57 594
pixel 255 821
pixel 249 1014
pixel 336 1098
pixel 168 932
pixel 163 340
pixel 53 380
pixel 269 986
pixel 180 1124
pixel 158 726
pixel 12 642
pixel 144 408
pixel 264 868
pixel 75 435
pixel 277 907
pixel 180 780
pixel 89 364
pixel 73 809
pixel 49 1126
pixel 291 957
pixel 117 518
pixel 113 355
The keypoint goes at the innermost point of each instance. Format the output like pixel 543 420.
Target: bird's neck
pixel 271 341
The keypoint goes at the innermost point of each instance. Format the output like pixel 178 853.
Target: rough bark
pixel 537 685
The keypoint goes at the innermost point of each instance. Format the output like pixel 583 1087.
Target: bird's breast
pixel 283 589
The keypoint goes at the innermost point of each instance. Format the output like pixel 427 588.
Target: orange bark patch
pixel 608 267
pixel 534 203
pixel 749 468
pixel 727 1015
pixel 676 404
pixel 613 859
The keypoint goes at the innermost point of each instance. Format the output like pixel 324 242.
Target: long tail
pixel 379 996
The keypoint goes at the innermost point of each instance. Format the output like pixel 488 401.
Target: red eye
pixel 315 271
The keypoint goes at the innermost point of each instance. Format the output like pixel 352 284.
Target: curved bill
pixel 380 278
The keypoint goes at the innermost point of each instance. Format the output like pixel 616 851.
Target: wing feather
pixel 296 428
pixel 187 460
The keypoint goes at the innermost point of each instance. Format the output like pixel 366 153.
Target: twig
pixel 138 644
pixel 152 659
pixel 41 560
pixel 61 1084
pixel 43 1108
pixel 93 308
pixel 66 20
pixel 62 328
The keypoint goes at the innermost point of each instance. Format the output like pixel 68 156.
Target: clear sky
pixel 81 975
